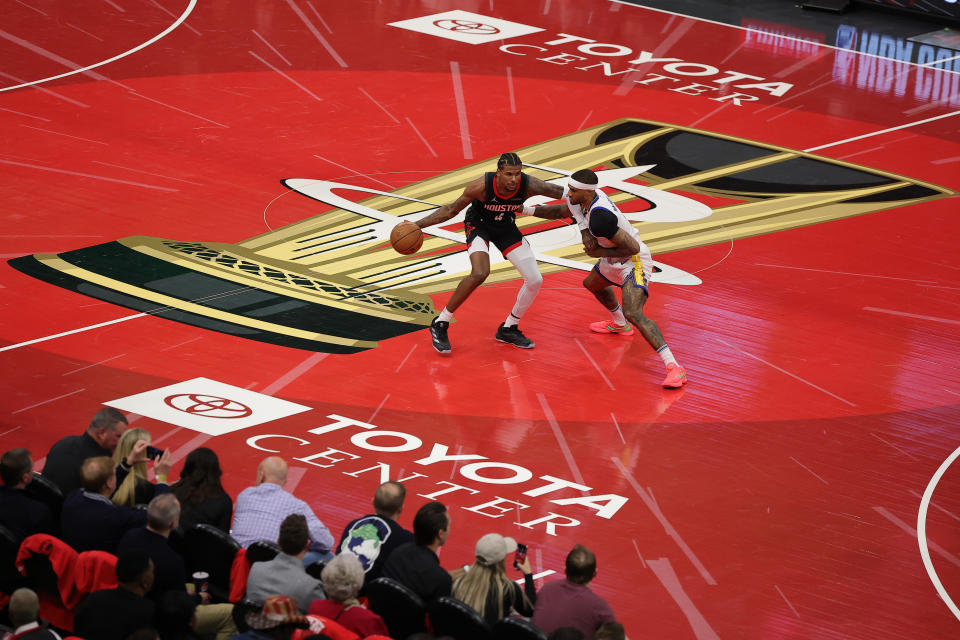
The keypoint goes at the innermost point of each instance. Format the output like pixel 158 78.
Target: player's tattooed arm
pixel 625 246
pixel 473 191
pixel 589 242
pixel 537 187
pixel 548 211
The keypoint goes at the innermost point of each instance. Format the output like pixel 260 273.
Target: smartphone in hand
pixel 519 555
pixel 153 453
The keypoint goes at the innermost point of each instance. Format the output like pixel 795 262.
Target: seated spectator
pixel 134 488
pixel 89 520
pixel 261 509
pixel 177 616
pixel 570 602
pixel 610 631
pixel 113 614
pixel 170 572
pixel 67 454
pixel 20 513
pixel 415 564
pixel 373 537
pixel 24 613
pixel 202 498
pixel 486 587
pixel 278 620
pixel 566 633
pixel 342 579
pixel 285 573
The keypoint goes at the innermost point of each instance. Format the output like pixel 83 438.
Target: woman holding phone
pixel 486 587
pixel 131 455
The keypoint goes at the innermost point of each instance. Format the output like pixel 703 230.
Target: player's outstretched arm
pixel 474 191
pixel 537 187
pixel 548 211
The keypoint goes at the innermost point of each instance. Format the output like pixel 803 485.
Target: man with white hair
pixel 24 613
pixel 624 262
pixel 260 510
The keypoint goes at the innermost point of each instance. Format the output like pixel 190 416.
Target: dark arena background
pixel 196 198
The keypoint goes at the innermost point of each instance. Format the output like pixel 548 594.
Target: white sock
pixel 666 355
pixel 445 315
pixel 617 315
pixel 511 321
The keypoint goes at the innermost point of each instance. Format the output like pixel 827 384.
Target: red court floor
pixel 805 195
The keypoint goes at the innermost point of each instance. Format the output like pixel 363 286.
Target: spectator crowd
pixel 103 546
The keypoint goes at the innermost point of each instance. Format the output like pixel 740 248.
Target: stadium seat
pixel 402 610
pixel 450 617
pixel 211 550
pixel 10 578
pixel 517 629
pixel 262 551
pixel 44 490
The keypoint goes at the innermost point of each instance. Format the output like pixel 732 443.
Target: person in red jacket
pixel 342 579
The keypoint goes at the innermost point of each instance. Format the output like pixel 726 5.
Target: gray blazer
pixel 284 575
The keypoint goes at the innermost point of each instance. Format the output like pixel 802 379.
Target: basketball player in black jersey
pixel 495 200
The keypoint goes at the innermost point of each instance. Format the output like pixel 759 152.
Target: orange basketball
pixel 406 237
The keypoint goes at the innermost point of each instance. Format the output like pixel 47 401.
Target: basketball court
pixel 196 204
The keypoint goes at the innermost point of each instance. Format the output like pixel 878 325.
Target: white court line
pixel 558 434
pixel 667 527
pixel 147 173
pixel 911 315
pixel 67 333
pixel 595 365
pixel 617 425
pixel 764 33
pixel 639 555
pixel 784 371
pixel 9 431
pixel 163 33
pixel 890 444
pixel 379 406
pixel 47 401
pixel 87 175
pixel 877 133
pixel 316 33
pixel 936 62
pixel 914 493
pixel 668 578
pixel 272 48
pixel 787 601
pixel 461 110
pixel 93 365
pixel 40 51
pixel 420 135
pixel 809 470
pixel 382 108
pixel 288 78
pixel 842 273
pixel 922 532
pixel 44 90
pixel 409 353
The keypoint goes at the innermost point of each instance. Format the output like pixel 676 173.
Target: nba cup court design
pixel 332 283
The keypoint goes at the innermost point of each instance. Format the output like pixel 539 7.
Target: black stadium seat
pixel 402 610
pixel 44 490
pixel 10 578
pixel 211 550
pixel 517 629
pixel 450 617
pixel 262 551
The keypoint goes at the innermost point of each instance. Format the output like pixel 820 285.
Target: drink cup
pixel 201 582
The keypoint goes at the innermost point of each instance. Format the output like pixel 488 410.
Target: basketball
pixel 406 237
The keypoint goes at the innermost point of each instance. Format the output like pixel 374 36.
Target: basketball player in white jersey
pixel 495 200
pixel 625 262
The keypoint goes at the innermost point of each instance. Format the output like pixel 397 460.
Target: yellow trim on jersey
pixel 638 271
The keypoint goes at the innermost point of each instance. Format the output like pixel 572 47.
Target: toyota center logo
pixel 209 406
pixel 463 26
pixel 467 26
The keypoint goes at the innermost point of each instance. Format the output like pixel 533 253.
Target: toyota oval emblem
pixel 201 404
pixel 467 26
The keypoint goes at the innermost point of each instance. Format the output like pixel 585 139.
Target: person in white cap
pixel 625 262
pixel 486 587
